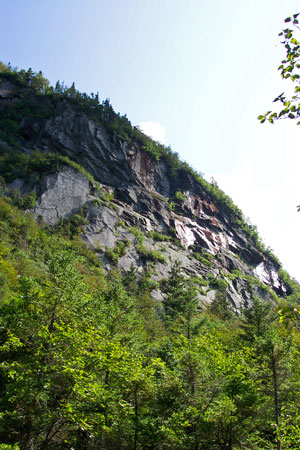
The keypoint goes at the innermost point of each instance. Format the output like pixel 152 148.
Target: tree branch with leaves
pixel 289 69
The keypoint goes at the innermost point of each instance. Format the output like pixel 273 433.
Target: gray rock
pixel 63 194
pixel 8 90
pixel 142 189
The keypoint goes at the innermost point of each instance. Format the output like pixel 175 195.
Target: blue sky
pixel 200 71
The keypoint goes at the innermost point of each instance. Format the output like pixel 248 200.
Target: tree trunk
pixel 275 394
pixel 136 407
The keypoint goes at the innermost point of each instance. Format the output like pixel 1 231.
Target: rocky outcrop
pixel 8 90
pixel 60 195
pixel 182 239
pixel 188 228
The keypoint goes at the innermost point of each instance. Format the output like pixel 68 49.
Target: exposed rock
pixel 63 194
pixel 8 90
pixel 268 275
pixel 142 191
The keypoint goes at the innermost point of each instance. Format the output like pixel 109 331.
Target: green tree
pixel 221 306
pixel 272 358
pixel 220 396
pixel 181 305
pixel 289 69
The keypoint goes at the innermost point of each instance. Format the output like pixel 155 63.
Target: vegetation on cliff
pixel 88 360
pixel 38 101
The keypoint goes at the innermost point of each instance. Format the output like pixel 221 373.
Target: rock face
pixel 8 90
pixel 60 195
pixel 135 202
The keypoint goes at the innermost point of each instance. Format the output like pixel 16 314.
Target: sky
pixel 194 74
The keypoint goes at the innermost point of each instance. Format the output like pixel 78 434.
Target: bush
pixel 158 237
pixel 202 259
pixel 72 226
pixel 115 253
pixel 180 196
pixel 151 255
pixel 219 284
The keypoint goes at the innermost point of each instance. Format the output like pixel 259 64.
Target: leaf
pixel 288 19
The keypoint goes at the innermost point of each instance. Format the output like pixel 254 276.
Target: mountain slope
pixel 121 275
pixel 127 181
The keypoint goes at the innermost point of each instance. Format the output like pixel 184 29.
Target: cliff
pixel 135 209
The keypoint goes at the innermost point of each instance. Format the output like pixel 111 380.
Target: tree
pixel 181 305
pixel 289 69
pixel 272 359
pixel 219 399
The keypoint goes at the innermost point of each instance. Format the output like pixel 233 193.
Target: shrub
pixel 180 196
pixel 219 284
pixel 151 255
pixel 171 205
pixel 202 259
pixel 115 253
pixel 158 237
pixel 138 234
pixel 72 226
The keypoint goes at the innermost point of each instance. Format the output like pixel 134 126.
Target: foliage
pixel 203 259
pixel 180 196
pixel 289 427
pixel 72 226
pixel 221 307
pixel 158 237
pixel 289 68
pixel 151 255
pixel 115 253
pixel 144 252
pixel 171 205
pixel 89 360
pixel 22 165
pixel 25 201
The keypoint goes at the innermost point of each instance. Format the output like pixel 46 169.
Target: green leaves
pixel 288 68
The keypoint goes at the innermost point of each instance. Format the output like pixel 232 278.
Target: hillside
pixel 139 309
